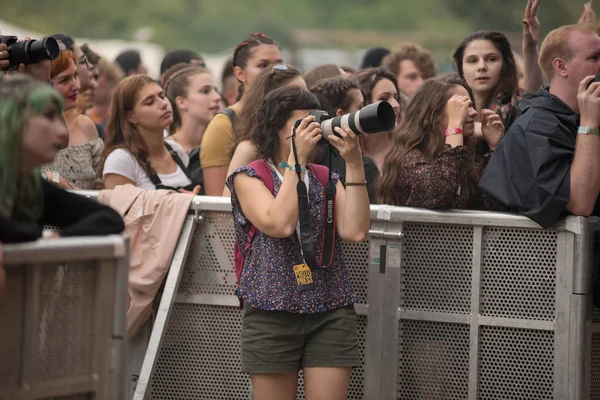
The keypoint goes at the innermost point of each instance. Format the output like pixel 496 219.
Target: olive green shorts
pixel 281 342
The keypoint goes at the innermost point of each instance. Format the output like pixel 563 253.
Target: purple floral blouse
pixel 268 281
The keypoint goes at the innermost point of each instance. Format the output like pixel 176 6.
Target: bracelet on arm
pixel 283 164
pixel 584 130
pixel 363 183
pixel 453 131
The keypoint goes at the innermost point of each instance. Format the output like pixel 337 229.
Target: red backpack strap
pixel 264 172
pixel 321 172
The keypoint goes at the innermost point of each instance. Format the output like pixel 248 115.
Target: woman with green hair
pixel 32 130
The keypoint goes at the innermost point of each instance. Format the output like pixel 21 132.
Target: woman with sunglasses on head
pixel 136 151
pixel 32 129
pixel 75 167
pixel 244 151
pixel 378 84
pixel 287 324
pixel 195 101
pixel 250 58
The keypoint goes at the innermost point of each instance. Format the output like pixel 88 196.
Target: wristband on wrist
pixel 453 131
pixel 283 164
pixel 55 177
pixel 363 183
pixel 584 130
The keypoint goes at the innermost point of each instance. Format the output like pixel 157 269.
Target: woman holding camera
pixel 32 130
pixel 430 164
pixel 244 151
pixel 289 324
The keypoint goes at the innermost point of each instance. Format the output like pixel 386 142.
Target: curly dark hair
pixel 273 114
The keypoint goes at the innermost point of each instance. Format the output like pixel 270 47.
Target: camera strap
pixel 328 239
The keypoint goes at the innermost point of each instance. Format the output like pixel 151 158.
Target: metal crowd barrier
pixel 456 305
pixel 62 319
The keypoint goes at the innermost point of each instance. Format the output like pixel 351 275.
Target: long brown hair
pixel 121 133
pixel 418 130
pixel 265 82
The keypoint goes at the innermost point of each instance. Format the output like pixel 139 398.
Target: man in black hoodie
pixel 549 160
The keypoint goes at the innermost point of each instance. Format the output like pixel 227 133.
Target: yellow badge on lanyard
pixel 303 277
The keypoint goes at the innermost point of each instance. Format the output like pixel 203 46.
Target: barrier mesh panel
pixel 433 361
pixel 595 368
pixel 200 356
pixel 516 364
pixel 64 330
pixel 66 322
pixel 210 267
pixel 518 273
pixel 357 260
pixel 11 317
pixel 436 268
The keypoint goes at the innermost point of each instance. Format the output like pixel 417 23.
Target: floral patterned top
pixel 449 181
pixel 79 164
pixel 268 281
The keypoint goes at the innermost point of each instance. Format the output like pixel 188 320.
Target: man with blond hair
pixel 549 160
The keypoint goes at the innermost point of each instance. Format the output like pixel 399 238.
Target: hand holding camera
pixel 348 144
pixel 28 56
pixel 4 62
pixel 306 136
pixel 588 97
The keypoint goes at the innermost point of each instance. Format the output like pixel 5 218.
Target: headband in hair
pixel 246 43
pixel 176 74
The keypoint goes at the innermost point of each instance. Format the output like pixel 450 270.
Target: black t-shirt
pixel 338 163
pixel 75 215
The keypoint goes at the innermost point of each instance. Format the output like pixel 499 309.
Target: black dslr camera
pixel 374 118
pixel 30 51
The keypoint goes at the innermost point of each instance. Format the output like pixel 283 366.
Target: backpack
pixel 264 172
pixel 229 113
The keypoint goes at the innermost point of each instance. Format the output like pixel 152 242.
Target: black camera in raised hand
pixel 374 118
pixel 30 51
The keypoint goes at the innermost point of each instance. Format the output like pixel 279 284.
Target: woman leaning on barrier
pixel 136 151
pixel 430 164
pixel 32 130
pixel 296 316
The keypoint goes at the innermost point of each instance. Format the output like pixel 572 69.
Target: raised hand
pixel 492 128
pixel 531 23
pixel 588 16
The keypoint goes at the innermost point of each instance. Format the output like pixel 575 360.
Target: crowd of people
pixel 504 133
